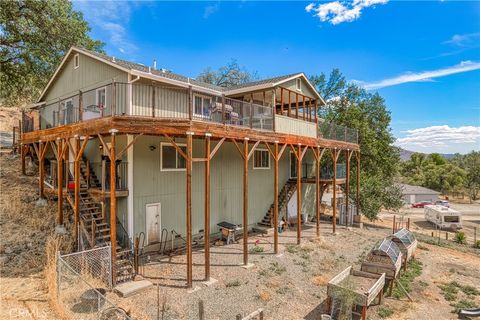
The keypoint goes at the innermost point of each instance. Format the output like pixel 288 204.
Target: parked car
pixel 444 203
pixel 422 204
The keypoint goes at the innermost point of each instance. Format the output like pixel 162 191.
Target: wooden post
pixel 60 182
pixel 189 209
pixel 358 182
pixel 77 189
pixel 347 187
pixel 289 112
pixel 275 201
pixel 393 225
pixel 153 101
pixel 207 207
pixel 296 105
pixel 113 203
pixel 223 109
pixel 190 102
pixel 317 190
pixel 408 224
pixel 80 105
pixel 299 193
pixel 281 101
pixel 114 98
pixel 135 254
pixel 41 169
pixel 364 312
pixel 251 111
pixel 245 201
pixel 23 155
pixel 334 182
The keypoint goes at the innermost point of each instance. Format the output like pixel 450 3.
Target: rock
pixel 3 259
pixel 29 245
pixel 41 202
pixel 27 198
pixel 8 250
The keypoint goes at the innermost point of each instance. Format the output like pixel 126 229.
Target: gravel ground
pixel 289 286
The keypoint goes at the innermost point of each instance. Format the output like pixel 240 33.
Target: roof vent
pixel 154 64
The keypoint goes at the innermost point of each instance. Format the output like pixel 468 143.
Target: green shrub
pixel 235 283
pixel 470 290
pixel 256 249
pixel 477 244
pixel 414 269
pixel 460 237
pixel 384 312
pixel 291 248
pixel 462 304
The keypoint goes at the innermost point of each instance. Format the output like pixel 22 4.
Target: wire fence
pixel 83 279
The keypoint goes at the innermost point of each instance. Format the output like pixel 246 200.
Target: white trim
pixel 76 61
pixel 202 96
pixel 96 96
pixel 268 154
pixel 130 207
pixel 176 153
pixel 298 84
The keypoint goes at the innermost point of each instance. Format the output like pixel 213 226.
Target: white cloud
pixel 464 40
pixel 442 139
pixel 337 12
pixel 111 17
pixel 464 66
pixel 211 9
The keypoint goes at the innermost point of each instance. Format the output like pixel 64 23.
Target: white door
pixel 153 222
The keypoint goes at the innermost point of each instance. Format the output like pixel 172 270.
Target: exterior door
pixel 154 222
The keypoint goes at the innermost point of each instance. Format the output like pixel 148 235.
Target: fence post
pixel 135 254
pixel 393 225
pixel 223 109
pixel 201 310
pixel 474 236
pixel 110 280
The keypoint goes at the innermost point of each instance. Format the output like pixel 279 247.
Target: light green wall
pixel 305 88
pixel 90 74
pixel 152 185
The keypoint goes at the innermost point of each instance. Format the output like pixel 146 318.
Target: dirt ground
pixel 291 285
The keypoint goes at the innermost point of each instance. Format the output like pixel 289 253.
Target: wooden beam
pixel 334 185
pixel 76 175
pixel 289 112
pixel 296 105
pixel 275 201
pixel 206 227
pixel 113 204
pixel 299 194
pixel 60 182
pixel 105 146
pixel 41 169
pixel 179 150
pixel 82 148
pixel 215 149
pixel 189 209
pixel 281 151
pixel 316 152
pixel 238 147
pixel 253 149
pixel 245 202
pixel 347 186
pixel 36 150
pixel 54 149
pixel 120 154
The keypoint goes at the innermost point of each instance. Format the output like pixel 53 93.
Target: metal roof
pixel 409 189
pixel 390 248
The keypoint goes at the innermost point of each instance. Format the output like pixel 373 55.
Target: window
pixel 101 97
pixel 293 165
pixel 76 61
pixel 299 84
pixel 171 160
pixel 201 106
pixel 261 159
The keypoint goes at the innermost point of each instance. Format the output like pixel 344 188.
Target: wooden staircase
pixel 96 230
pixel 88 174
pixel 283 197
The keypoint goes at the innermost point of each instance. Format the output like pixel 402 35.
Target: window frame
pixel 298 84
pixel 76 61
pixel 290 168
pixel 268 154
pixel 177 154
pixel 201 115
pixel 96 96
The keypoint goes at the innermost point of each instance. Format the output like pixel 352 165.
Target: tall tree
pixel 352 106
pixel 34 36
pixel 230 75
pixel 471 164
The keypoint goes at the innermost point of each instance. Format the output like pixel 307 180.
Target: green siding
pixel 90 74
pixel 151 185
pixel 305 88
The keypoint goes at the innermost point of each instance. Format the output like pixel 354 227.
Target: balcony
pixel 167 102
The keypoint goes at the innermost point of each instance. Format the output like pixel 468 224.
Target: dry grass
pixel 320 281
pixel 265 295
pixel 52 247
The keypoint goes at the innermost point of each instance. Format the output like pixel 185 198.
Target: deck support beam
pixel 206 227
pixel 61 148
pixel 275 201
pixel 41 168
pixel 318 157
pixel 76 173
pixel 357 155
pixel 245 201
pixel 347 185
pixel 334 185
pixel 189 209
pixel 113 202
pixel 299 156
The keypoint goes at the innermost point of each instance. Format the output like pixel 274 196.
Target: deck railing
pixel 167 102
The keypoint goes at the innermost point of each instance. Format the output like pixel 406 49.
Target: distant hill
pixel 406 154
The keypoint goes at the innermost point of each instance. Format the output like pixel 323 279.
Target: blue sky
pixel 422 57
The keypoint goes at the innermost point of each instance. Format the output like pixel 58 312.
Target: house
pixel 412 194
pixel 187 155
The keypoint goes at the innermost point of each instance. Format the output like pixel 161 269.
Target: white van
pixel 443 217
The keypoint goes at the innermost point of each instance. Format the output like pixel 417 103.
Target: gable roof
pixel 141 70
pixel 409 189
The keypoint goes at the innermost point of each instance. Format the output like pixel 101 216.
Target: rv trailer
pixel 443 217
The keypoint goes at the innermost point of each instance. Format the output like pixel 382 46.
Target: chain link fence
pixel 83 279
